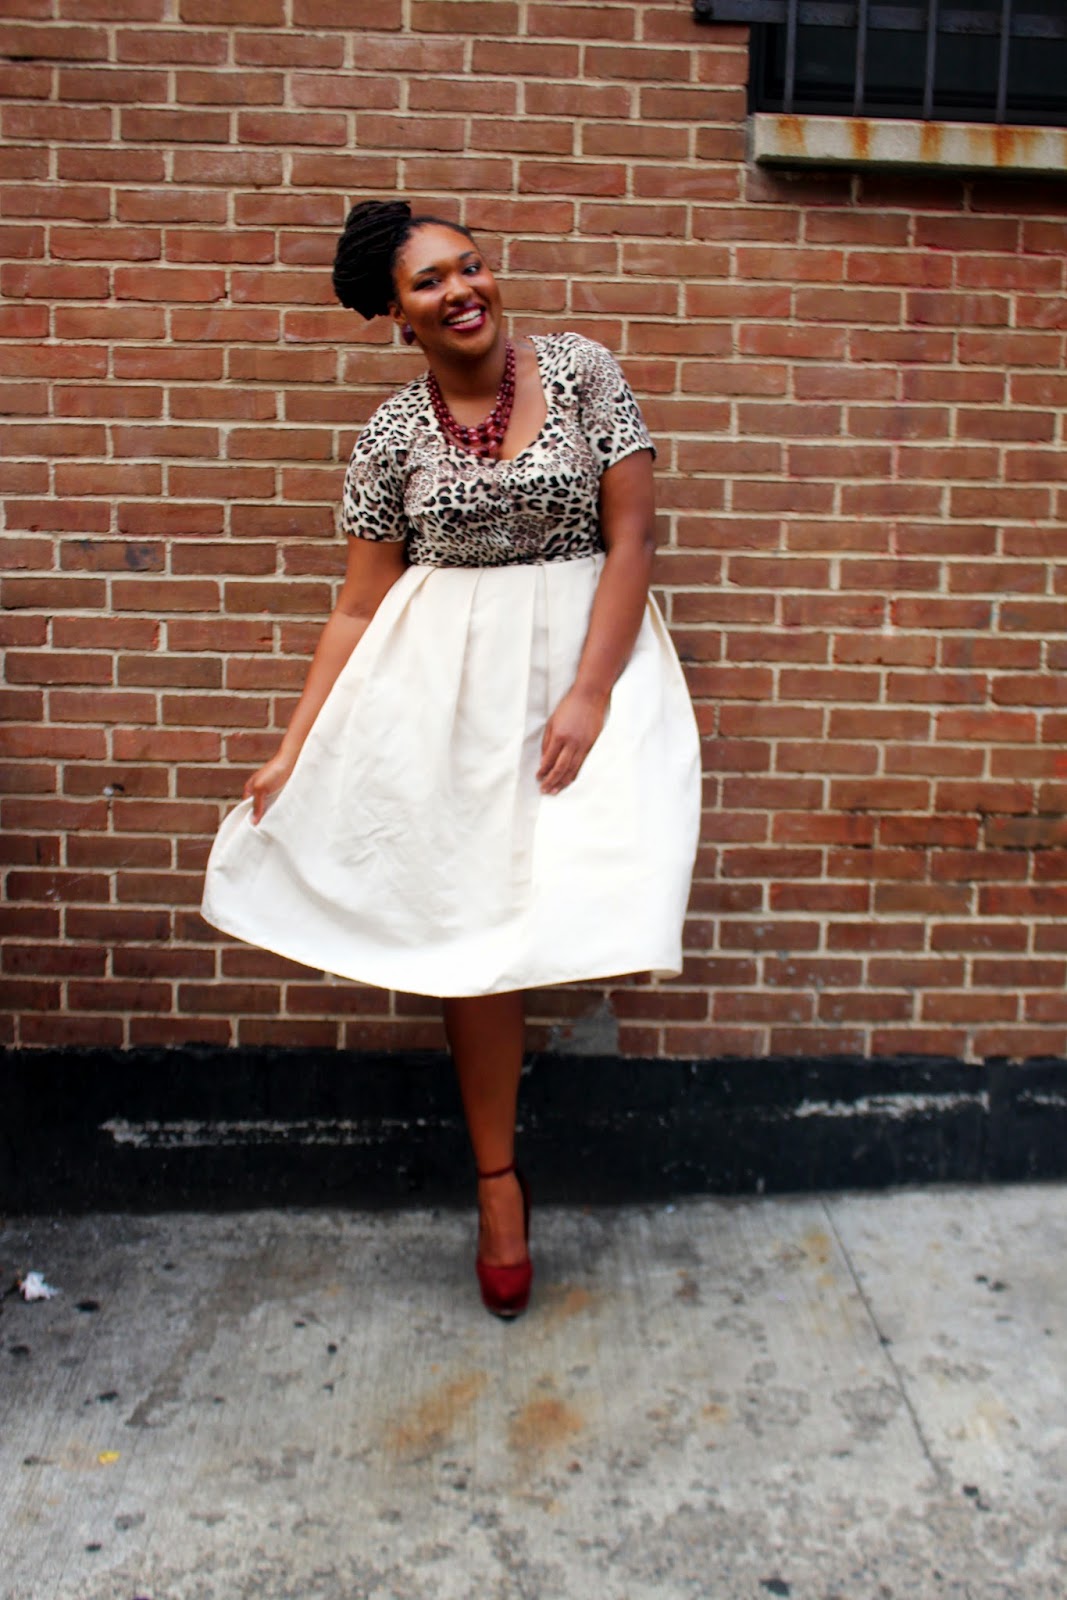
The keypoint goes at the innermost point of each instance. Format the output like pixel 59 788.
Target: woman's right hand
pixel 267 781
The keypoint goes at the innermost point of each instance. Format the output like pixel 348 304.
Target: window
pixel 1001 61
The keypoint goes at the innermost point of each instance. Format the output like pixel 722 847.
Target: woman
pixel 491 779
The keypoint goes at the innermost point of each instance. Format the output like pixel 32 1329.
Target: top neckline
pixel 536 339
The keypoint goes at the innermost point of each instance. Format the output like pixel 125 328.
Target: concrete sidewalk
pixel 846 1397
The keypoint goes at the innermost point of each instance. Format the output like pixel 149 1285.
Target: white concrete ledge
pixel 776 139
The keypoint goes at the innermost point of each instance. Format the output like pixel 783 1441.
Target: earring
pixel 407 333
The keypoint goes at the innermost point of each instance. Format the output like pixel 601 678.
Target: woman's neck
pixel 471 380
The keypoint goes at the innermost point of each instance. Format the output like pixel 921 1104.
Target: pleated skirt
pixel 412 848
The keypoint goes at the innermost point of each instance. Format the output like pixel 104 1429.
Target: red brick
pixel 56 124
pixel 506 59
pixel 112 10
pixel 751 1006
pixel 1041 311
pixel 969 1008
pixel 702 182
pixel 227 167
pixel 1019 1042
pixel 292 128
pixel 24 477
pixel 25 81
pixel 362 14
pixel 29 994
pixel 1039 616
pixel 770 935
pixel 65 201
pixel 996 348
pixel 287 49
pixel 29 922
pixel 30 850
pixel 863 1006
pixel 109 851
pixel 707 1043
pixel 22 281
pixel 128 165
pixel 55 667
pixel 223 482
pixel 641 140
pixel 1044 236
pixel 550 21
pixel 855 306
pixel 78 1032
pixel 879 794
pixel 999 727
pixel 59 886
pixel 167 284
pixel 215 711
pixel 234 13
pixel 1045 1008
pixel 87 400
pixel 116 995
pixel 229 88
pixel 24 162
pixel 577 100
pixel 170 205
pixel 383 94
pixel 52 43
pixel 1008 272
pixel 810 1041
pixel 48 961
pixel 110 85
pixel 827 899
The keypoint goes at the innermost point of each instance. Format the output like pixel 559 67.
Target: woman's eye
pixel 473 266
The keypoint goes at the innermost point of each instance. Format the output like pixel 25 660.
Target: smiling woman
pixel 491 779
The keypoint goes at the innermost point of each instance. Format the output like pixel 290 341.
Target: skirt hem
pixel 659 964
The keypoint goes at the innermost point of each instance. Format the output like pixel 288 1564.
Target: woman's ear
pixel 407 332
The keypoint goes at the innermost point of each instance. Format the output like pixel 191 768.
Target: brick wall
pixel 857 389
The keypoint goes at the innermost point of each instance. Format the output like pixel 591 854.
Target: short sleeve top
pixel 407 480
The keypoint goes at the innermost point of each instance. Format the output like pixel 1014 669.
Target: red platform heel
pixel 506 1290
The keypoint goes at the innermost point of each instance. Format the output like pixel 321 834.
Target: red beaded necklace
pixel 485 438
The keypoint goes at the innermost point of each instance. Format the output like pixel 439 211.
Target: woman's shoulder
pixel 396 414
pixel 575 355
pixel 572 345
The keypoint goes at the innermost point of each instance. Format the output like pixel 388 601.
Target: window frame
pixel 933 20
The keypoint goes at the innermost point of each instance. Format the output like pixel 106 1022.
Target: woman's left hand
pixel 570 734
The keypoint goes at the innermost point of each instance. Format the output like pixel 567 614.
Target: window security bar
pixel 938 23
pixel 954 18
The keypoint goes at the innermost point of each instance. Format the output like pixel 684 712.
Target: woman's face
pixel 445 290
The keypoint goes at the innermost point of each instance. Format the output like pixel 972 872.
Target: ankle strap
pixel 501 1172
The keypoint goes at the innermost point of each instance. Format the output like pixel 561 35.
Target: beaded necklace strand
pixel 486 438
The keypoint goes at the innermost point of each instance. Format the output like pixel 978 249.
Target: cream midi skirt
pixel 412 848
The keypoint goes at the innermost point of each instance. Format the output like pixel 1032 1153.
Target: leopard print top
pixel 406 480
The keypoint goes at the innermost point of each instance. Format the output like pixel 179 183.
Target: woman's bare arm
pixel 627 521
pixel 373 568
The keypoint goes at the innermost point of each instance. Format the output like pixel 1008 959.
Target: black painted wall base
pixel 148 1130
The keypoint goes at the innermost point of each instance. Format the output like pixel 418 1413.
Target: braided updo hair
pixel 375 233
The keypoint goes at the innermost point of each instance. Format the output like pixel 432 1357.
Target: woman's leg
pixel 485 1035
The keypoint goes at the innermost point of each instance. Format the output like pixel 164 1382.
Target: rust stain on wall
pixel 1013 146
pixel 859 131
pixel 792 133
